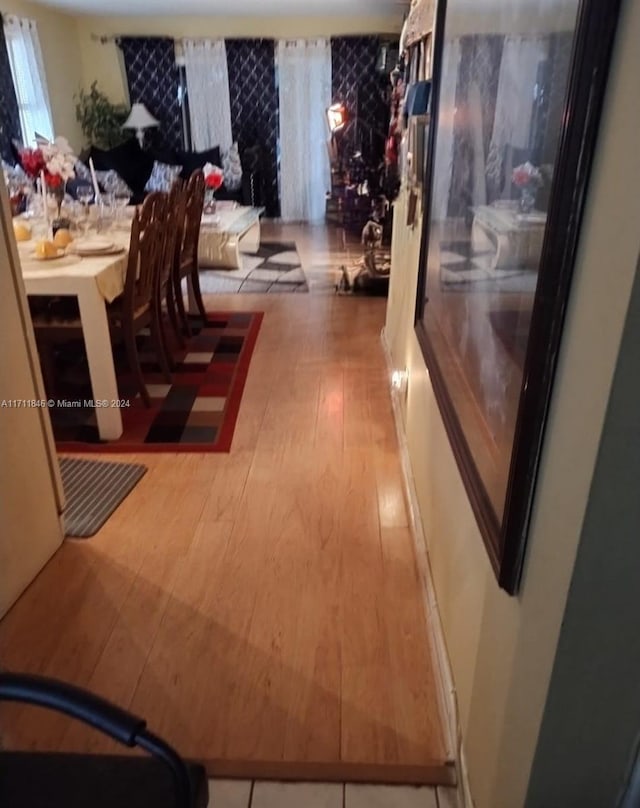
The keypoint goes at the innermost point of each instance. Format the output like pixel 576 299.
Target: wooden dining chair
pixel 131 312
pixel 186 265
pixel 174 224
pixel 156 208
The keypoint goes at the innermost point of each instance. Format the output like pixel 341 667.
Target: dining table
pixel 95 281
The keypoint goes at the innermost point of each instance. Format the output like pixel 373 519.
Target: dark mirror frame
pixel 505 540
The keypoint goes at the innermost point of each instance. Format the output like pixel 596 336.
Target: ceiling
pixel 257 8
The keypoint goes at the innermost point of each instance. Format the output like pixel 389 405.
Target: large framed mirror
pixel 517 93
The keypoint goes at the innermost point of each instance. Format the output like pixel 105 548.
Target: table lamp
pixel 140 119
pixel 337 117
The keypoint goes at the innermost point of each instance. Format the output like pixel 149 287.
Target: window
pixel 516 101
pixel 29 80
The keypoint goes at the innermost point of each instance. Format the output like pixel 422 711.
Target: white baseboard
pixel 447 696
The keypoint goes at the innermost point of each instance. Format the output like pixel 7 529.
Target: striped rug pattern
pixel 275 268
pixel 93 490
pixel 196 412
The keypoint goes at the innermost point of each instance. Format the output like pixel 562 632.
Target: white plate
pixel 91 246
pixel 39 264
pixel 115 250
pixel 60 253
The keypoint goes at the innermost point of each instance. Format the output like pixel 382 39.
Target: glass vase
pixel 527 199
pixel 209 200
pixel 60 222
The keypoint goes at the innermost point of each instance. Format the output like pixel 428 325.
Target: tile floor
pixel 261 794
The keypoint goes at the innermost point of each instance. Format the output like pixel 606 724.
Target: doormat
pixel 197 412
pixel 275 269
pixel 93 490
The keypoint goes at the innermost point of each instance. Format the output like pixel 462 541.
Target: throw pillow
pixel 74 185
pixel 166 155
pixel 232 168
pixel 192 161
pixel 112 183
pixel 82 171
pixel 162 177
pixel 128 159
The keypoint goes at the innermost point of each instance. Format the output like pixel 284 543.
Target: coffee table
pixel 228 233
pixel 516 238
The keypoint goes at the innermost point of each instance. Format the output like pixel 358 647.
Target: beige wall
pixel 102 62
pixel 59 41
pixel 501 649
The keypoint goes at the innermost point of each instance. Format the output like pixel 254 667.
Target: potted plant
pixel 101 121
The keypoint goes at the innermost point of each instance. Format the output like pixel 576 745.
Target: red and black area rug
pixel 197 412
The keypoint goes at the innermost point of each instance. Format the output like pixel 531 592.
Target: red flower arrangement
pixel 34 163
pixel 213 177
pixel 55 159
pixel 526 175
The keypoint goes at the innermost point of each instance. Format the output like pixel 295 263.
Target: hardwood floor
pixel 260 608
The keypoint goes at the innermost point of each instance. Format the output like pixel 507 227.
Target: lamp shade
pixel 337 116
pixel 140 118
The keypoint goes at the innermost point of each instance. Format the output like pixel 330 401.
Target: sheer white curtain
pixel 304 72
pixel 205 63
pixel 29 80
pixel 446 121
pixel 514 105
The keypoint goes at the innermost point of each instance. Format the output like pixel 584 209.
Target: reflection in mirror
pixel 502 92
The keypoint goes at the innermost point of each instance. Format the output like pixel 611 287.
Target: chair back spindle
pixel 194 207
pixel 145 255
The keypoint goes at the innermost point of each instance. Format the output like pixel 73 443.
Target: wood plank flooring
pixel 260 608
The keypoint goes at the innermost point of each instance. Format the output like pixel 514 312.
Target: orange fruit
pixel 21 231
pixel 46 249
pixel 62 237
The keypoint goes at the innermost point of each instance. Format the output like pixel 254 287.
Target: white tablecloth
pixel 107 271
pixel 94 281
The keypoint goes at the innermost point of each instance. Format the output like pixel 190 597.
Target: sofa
pixel 135 166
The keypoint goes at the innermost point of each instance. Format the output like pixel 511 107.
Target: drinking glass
pixel 106 213
pixel 85 197
pixel 120 200
pixel 30 194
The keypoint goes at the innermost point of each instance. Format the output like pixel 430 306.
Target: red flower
pixel 32 162
pixel 53 181
pixel 525 175
pixel 214 180
pixel 521 178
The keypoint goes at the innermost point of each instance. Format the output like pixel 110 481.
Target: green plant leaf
pixel 100 120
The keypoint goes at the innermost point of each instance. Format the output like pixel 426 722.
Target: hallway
pixel 260 608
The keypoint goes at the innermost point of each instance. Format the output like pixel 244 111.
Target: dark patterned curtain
pixel 480 57
pixel 9 115
pixel 152 76
pixel 254 106
pixel 355 82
